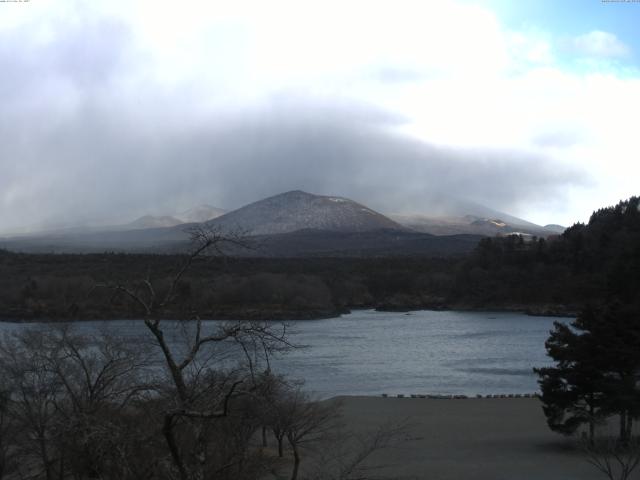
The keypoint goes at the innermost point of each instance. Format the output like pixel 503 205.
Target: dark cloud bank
pixel 77 145
pixel 97 166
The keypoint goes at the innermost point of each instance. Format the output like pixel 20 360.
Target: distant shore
pixel 302 315
pixel 483 439
pixel 535 310
pixel 63 287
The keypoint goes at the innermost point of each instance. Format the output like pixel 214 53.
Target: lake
pixel 422 352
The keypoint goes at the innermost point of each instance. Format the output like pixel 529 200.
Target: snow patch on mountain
pixel 298 210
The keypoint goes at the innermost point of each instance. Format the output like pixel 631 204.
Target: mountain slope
pixel 201 213
pixel 378 243
pixel 149 221
pixel 297 210
pixel 448 206
pixel 471 224
pixel 559 229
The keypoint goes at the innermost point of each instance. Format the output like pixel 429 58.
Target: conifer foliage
pixel 597 370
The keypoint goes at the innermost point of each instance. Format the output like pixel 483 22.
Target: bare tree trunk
pixel 264 436
pixel 167 430
pixel 296 461
pixel 45 459
pixel 623 427
pixel 201 452
pixel 592 424
pixel 176 372
pixel 61 472
pixel 280 447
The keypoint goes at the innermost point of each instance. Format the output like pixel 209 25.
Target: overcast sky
pixel 109 110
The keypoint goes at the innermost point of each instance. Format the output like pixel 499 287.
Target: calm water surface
pixel 369 353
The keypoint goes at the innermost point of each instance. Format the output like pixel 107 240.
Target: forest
pixel 589 262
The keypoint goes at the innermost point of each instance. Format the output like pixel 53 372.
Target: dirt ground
pixel 481 439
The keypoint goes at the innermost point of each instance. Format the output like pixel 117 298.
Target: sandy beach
pixel 482 439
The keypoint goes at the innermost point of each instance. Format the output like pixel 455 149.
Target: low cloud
pixel 108 112
pixel 97 165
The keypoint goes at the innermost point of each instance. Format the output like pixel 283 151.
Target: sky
pixel 112 110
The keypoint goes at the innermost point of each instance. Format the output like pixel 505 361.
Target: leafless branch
pixel 615 460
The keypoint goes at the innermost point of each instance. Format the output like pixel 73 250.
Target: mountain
pixel 278 216
pixel 298 223
pixel 373 243
pixel 585 265
pixel 199 214
pixel 559 229
pixel 500 224
pixel 449 215
pixel 297 210
pixel 150 221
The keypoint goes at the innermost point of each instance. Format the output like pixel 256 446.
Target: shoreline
pixel 533 310
pixel 256 315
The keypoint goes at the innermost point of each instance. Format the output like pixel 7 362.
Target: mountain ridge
pixel 297 210
pixel 473 224
pixel 200 213
pixel 293 222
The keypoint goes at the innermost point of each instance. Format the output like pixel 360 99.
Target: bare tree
pixel 33 391
pixel 100 378
pixel 96 371
pixel 306 422
pixel 199 391
pixel 614 459
pixel 98 407
pixel 66 398
pixel 274 407
pixel 7 431
pixel 346 456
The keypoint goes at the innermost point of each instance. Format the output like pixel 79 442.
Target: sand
pixel 482 439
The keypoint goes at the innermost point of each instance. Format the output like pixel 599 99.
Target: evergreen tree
pixel 597 370
pixel 617 331
pixel 572 390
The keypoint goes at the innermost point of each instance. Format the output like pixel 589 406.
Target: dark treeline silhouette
pixel 596 373
pixel 61 286
pixel 587 263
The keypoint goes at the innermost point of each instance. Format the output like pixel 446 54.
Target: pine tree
pixel 596 373
pixel 572 391
pixel 617 331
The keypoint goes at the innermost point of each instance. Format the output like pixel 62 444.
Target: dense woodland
pixel 588 263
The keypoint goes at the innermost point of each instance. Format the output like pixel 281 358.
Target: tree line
pixel 590 262
pixel 554 275
pixel 596 373
pixel 194 402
